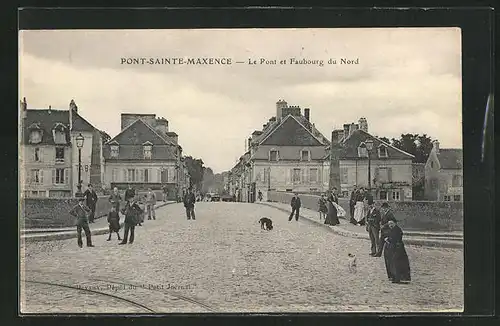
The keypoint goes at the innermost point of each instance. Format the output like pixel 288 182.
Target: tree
pixel 195 169
pixel 418 145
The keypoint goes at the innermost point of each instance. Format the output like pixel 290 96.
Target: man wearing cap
pixel 80 212
pixel 91 201
pixel 386 216
pixel 373 226
pixel 295 203
pixel 150 204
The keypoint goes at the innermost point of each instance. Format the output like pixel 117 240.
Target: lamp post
pixel 369 147
pixel 268 178
pixel 79 144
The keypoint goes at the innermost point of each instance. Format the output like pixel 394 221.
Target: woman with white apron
pixel 359 208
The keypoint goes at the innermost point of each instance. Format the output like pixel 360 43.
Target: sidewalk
pixel 418 238
pixel 100 226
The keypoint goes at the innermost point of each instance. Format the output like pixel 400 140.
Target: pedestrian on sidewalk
pixel 81 212
pixel 132 217
pixel 359 208
pixel 332 217
pixel 373 227
pixel 189 201
pixel 386 216
pixel 323 210
pixel 295 203
pixel 115 199
pixel 114 223
pixel 352 204
pixel 165 193
pixel 150 204
pixel 399 265
pixel 91 201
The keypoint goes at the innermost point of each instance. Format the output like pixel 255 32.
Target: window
pixel 313 175
pixel 114 151
pixel 59 154
pixel 304 155
pixel 456 181
pixel 457 198
pixel 447 198
pixel 36 136
pixel 273 155
pixel 59 176
pixel 434 184
pixel 362 151
pixel 382 151
pixel 36 154
pixel 148 150
pixel 146 175
pixel 296 176
pixel 36 176
pixel 395 195
pixel 383 195
pixel 114 175
pixel 344 175
pixel 59 137
pixel 131 175
pixel 384 174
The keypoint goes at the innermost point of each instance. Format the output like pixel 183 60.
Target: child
pixel 114 222
pixel 322 207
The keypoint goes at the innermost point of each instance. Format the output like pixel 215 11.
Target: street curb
pixel 50 236
pixel 452 244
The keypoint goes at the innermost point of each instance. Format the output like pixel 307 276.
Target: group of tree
pixel 418 145
pixel 196 171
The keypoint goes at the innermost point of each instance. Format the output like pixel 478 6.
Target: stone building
pixel 48 157
pixel 444 174
pixel 145 154
pixel 390 168
pixel 285 155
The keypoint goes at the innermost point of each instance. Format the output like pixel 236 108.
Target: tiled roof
pixel 137 133
pixel 46 121
pixel 136 152
pixel 281 135
pixel 80 124
pixel 450 158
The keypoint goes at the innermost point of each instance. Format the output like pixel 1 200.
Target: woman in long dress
pixel 397 258
pixel 331 217
pixel 359 208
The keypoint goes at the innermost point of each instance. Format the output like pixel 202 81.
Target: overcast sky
pixel 407 80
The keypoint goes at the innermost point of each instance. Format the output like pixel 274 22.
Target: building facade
pixel 444 174
pixel 145 154
pixel 49 157
pixel 391 170
pixel 286 155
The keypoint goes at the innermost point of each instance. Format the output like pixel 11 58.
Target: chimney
pixel 280 105
pixel 363 124
pixel 435 145
pixel 50 109
pixel 307 113
pixel 72 106
pixel 249 144
pixel 161 125
pixel 24 108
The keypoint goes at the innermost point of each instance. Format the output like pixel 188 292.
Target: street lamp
pixel 268 178
pixel 369 147
pixel 79 144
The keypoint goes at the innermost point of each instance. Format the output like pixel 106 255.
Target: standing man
pixel 352 204
pixel 132 217
pixel 80 212
pixel 295 203
pixel 165 193
pixel 91 201
pixel 386 216
pixel 373 227
pixel 150 203
pixel 260 195
pixel 129 195
pixel 189 201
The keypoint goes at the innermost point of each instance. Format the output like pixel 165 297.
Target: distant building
pixel 286 155
pixel 347 162
pixel 49 155
pixel 145 154
pixel 444 174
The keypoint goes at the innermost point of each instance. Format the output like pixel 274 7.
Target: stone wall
pixel 412 215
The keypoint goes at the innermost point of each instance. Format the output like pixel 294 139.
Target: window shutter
pixel 40 154
pixel 141 175
pixel 158 175
pixel 304 178
pixel 41 176
pixel 125 179
pixel 53 176
pixel 66 176
pixel 389 174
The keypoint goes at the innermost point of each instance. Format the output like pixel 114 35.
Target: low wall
pixel 411 215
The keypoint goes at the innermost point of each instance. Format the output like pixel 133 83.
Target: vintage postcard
pixel 241 170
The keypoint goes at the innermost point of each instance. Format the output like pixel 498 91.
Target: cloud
pixel 408 80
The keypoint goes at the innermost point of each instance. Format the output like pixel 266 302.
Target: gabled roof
pixel 80 124
pixel 450 158
pixel 290 125
pixel 139 132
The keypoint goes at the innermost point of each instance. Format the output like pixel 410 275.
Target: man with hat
pixel 91 201
pixel 373 226
pixel 81 212
pixel 386 216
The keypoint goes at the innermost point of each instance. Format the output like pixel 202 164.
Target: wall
pixel 414 215
pixel 446 183
pixel 153 166
pixel 432 176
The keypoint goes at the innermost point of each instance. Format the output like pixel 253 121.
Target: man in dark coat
pixel 386 216
pixel 189 201
pixel 132 216
pixel 373 227
pixel 295 203
pixel 129 194
pixel 91 201
pixel 352 203
pixel 81 212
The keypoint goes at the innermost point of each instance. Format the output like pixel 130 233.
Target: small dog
pixel 352 263
pixel 266 224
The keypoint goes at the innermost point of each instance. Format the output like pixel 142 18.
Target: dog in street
pixel 266 224
pixel 352 263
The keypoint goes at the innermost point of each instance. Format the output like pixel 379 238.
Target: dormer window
pixel 148 150
pixel 362 150
pixel 273 155
pixel 35 133
pixel 59 133
pixel 382 151
pixel 305 155
pixel 115 149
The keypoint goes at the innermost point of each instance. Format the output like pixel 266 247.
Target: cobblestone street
pixel 224 262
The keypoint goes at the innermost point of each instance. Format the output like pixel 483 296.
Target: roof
pixel 349 148
pixel 135 152
pixel 290 125
pixel 290 153
pixel 450 158
pixel 46 120
pixel 139 132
